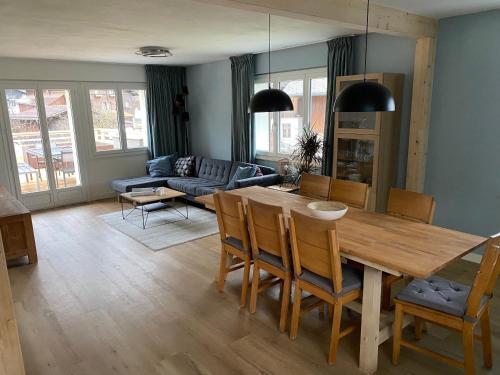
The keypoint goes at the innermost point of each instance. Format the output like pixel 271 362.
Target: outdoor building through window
pixel 276 133
pixel 119 118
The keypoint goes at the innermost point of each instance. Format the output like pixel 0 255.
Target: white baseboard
pixel 473 257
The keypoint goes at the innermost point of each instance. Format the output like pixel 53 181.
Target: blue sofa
pixel 209 174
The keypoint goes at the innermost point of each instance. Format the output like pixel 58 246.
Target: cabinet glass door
pixel 355 158
pixel 356 120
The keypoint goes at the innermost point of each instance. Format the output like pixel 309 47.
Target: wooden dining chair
pixel 452 305
pixel 235 242
pixel 314 186
pixel 270 251
pixel 349 192
pixel 319 271
pixel 412 206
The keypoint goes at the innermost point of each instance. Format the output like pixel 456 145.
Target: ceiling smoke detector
pixel 153 51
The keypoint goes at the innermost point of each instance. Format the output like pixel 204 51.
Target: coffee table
pixel 152 203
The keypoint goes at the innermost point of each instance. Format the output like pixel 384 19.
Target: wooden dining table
pixel 382 243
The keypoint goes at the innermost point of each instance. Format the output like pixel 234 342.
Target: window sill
pixel 120 153
pixel 274 158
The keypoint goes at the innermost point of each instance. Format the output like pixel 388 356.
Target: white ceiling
pixel 112 30
pixel 441 8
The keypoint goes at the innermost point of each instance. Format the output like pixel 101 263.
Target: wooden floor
pixel 100 303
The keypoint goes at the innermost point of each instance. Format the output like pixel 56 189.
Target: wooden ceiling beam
pixel 346 13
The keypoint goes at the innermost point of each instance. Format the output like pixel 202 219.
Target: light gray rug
pixel 165 228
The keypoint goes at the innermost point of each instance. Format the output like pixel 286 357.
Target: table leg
pixel 370 320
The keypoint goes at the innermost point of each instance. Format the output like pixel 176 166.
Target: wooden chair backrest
pixel 349 192
pixel 315 247
pixel 314 186
pixel 486 277
pixel 410 205
pixel 231 218
pixel 267 230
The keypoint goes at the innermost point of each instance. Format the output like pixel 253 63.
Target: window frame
pixel 306 75
pixel 117 87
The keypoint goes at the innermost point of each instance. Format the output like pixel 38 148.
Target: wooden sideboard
pixel 11 358
pixel 16 228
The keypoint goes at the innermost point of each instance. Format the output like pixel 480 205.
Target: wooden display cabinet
pixel 366 144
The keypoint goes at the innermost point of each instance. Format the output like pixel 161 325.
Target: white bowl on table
pixel 327 210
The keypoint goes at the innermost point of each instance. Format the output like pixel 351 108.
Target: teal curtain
pixel 340 62
pixel 242 72
pixel 166 131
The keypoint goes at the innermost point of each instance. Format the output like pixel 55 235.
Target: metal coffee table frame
pixel 143 208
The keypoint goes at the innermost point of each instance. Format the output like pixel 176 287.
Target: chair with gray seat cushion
pixel 438 294
pixel 271 253
pixel 235 243
pixel 319 271
pixel 451 305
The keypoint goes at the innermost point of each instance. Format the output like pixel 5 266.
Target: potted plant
pixel 307 153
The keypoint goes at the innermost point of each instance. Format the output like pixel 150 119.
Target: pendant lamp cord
pixel 269 54
pixel 366 37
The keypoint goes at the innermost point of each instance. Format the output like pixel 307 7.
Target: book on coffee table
pixel 140 192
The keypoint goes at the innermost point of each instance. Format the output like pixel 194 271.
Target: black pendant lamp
pixel 365 96
pixel 270 100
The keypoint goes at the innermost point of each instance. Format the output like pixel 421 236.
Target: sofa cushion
pixel 162 166
pixel 215 169
pixel 189 185
pixel 127 184
pixel 438 294
pixel 184 167
pixel 242 173
pixel 205 190
pixel 263 168
pixel 351 279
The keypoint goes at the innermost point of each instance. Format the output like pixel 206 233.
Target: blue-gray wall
pixel 210 88
pixel 392 55
pixel 463 164
pixel 209 105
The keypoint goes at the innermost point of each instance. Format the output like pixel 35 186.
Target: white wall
pixel 100 170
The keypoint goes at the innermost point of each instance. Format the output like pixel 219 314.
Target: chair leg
pixel 330 311
pixel 334 338
pixel 222 269
pixel 246 280
pixel 396 340
pixel 255 288
pixel 468 342
pixel 386 296
pixel 418 327
pixel 285 303
pixel 294 324
pixel 486 339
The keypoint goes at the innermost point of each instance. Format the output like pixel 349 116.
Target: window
pixel 119 118
pixel 134 116
pixel 276 133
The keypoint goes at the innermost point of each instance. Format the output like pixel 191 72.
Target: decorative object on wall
pixel 340 62
pixel 270 100
pixel 307 153
pixel 365 96
pixel 153 51
pixel 163 85
pixel 242 79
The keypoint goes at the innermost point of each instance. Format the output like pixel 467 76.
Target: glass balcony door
pixel 42 145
